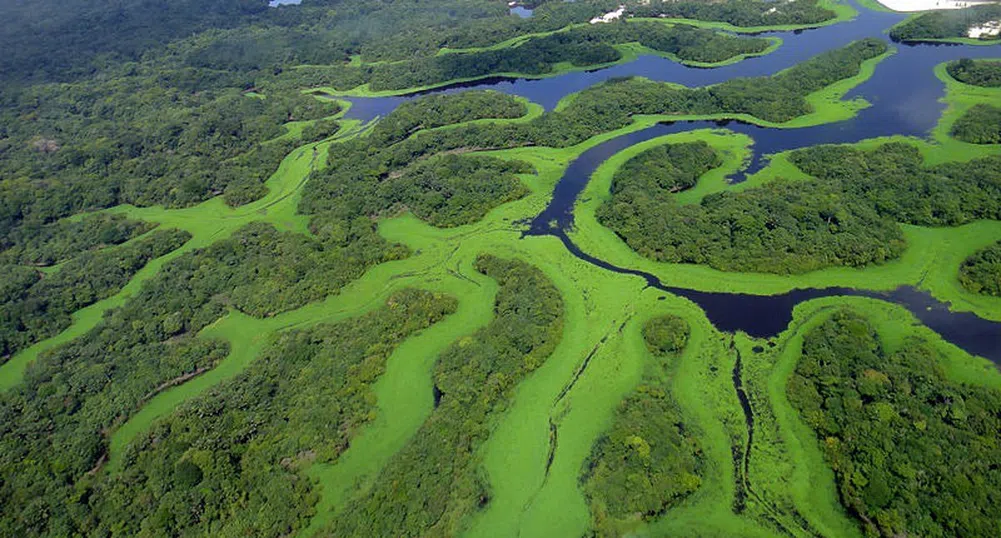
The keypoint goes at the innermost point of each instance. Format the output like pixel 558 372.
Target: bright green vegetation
pixel 981 272
pixel 361 342
pixel 433 484
pixel 649 460
pixel 301 401
pixel 911 449
pixel 948 25
pixel 981 124
pixel 45 245
pixel 986 73
pixel 38 308
pixel 579 47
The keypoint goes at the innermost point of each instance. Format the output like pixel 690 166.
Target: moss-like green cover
pixel 771 483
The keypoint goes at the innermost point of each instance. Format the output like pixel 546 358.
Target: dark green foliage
pixel 53 243
pixel 433 484
pixel 440 110
pixel 745 13
pixel 16 280
pixel 649 460
pixel 388 172
pixel 981 272
pixel 666 169
pixel 666 336
pixel 981 124
pixel 780 227
pixel 245 444
pixel 157 145
pixel 946 24
pixel 914 454
pixel 986 73
pixel 362 176
pixel 580 46
pixel 53 425
pixel 894 181
pixel 43 309
pixel 776 98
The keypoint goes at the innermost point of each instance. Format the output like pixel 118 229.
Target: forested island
pixel 331 269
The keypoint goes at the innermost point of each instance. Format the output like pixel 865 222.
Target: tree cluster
pixel 913 453
pixel 579 46
pixel 42 307
pixel 986 73
pixel 48 244
pixel 54 424
pixel 981 272
pixel 981 124
pixel 434 483
pixel 649 459
pixel 232 461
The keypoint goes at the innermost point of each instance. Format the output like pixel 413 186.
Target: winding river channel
pixel 904 94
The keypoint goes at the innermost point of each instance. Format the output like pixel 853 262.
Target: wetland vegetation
pixel 232 308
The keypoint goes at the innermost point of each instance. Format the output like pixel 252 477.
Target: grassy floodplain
pixel 931 262
pixel 533 459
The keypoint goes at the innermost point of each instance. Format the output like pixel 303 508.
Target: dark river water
pixel 904 94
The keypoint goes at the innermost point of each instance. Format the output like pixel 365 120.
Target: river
pixel 904 94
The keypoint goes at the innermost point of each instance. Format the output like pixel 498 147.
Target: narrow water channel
pixel 905 97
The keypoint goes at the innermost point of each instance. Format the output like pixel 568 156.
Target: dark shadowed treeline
pixel 986 73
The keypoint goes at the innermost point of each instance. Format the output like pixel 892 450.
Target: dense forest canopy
pixel 649 459
pixel 434 484
pixel 986 73
pixel 981 124
pixel 589 45
pixel 914 453
pixel 184 103
pixel 251 439
pixel 981 272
